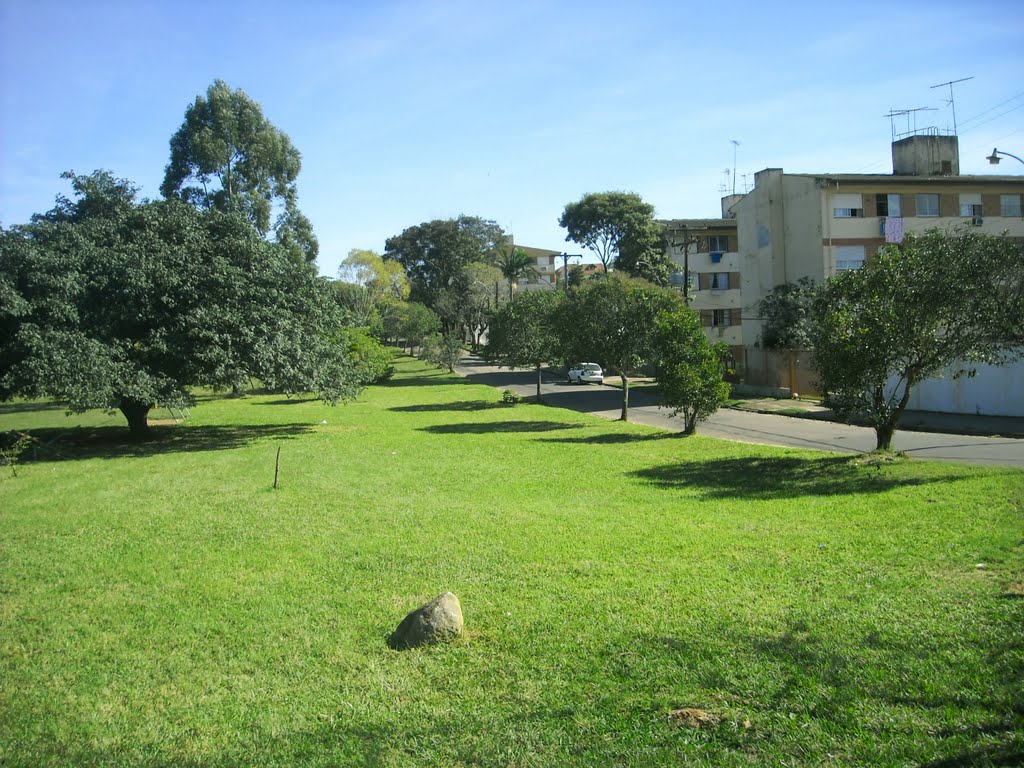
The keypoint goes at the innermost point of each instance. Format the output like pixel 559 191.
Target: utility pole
pixel 565 267
pixel 685 244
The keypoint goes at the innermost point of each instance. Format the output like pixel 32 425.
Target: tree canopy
pixel 939 301
pixel 690 368
pixel 227 155
pixel 786 315
pixel 619 228
pixel 110 303
pixel 435 255
pixel 523 333
pixel 613 322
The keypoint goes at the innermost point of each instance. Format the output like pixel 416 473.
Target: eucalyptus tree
pixel 227 155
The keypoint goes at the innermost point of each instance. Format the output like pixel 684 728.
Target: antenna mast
pixel 894 113
pixel 952 102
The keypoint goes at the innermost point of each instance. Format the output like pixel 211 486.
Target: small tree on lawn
pixel 523 333
pixel 442 351
pixel 614 321
pixel 938 301
pixel 690 368
pixel 418 322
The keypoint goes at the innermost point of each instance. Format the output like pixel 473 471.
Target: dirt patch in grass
pixel 692 717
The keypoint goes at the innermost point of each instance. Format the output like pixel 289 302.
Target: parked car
pixel 586 373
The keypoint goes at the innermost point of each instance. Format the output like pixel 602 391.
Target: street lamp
pixel 994 157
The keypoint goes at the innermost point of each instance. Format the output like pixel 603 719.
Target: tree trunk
pixel 625 398
pixel 137 415
pixel 883 436
pixel 884 432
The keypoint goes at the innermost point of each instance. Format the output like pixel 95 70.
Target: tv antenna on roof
pixel 908 113
pixel 951 101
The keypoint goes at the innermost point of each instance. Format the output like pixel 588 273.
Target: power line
pixel 997 106
pixel 996 117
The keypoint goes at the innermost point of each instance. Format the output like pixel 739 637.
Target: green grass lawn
pixel 162 604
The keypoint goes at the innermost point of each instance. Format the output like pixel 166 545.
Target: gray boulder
pixel 435 622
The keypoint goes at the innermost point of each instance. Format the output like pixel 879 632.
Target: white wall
pixel 994 391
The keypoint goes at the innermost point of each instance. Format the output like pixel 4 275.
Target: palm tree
pixel 514 263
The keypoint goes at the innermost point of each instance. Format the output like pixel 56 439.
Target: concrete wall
pixel 994 391
pixel 926 155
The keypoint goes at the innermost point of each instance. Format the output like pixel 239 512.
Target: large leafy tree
pixel 227 155
pixel 114 304
pixel 524 333
pixel 370 287
pixel 690 368
pixel 435 255
pixel 614 322
pixel 939 301
pixel 619 228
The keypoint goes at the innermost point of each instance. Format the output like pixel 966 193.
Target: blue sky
pixel 411 111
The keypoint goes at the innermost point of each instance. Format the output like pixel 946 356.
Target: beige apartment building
pixel 816 225
pixel 794 225
pixel 708 271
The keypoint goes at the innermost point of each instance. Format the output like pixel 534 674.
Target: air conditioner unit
pixel 977 221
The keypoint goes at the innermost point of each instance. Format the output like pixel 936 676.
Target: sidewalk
pixel 915 421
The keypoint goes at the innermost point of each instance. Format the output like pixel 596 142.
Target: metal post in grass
pixel 277 466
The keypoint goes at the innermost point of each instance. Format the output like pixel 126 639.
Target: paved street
pixel 751 427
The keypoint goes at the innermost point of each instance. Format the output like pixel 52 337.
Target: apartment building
pixel 815 225
pixel 546 262
pixel 708 271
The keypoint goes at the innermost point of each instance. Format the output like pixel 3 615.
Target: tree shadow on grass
pixel 488 427
pixel 50 445
pixel 776 477
pixel 461 405
pixel 425 380
pixel 34 406
pixel 613 438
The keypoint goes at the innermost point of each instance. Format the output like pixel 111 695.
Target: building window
pixel 888 205
pixel 970 204
pixel 721 318
pixel 718 243
pixel 849 257
pixel 847 205
pixel 1009 205
pixel 927 205
pixel 719 281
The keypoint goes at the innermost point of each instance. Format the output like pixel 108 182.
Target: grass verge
pixel 631 597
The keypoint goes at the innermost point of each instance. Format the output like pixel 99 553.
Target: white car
pixel 586 373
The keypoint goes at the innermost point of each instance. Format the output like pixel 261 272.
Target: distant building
pixel 545 262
